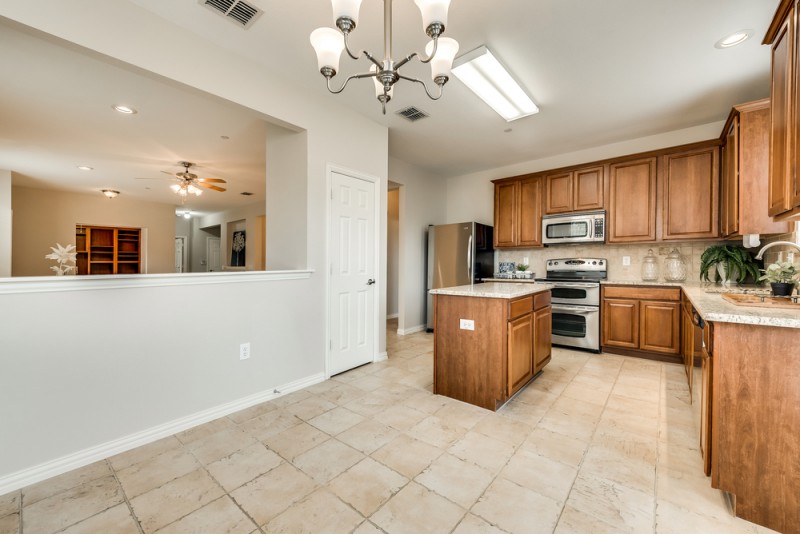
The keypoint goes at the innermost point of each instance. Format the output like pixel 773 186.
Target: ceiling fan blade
pixel 209 186
pixel 213 180
pixel 170 173
pixel 152 178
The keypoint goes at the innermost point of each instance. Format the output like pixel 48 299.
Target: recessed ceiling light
pixel 110 193
pixel 734 39
pixel 85 168
pixel 125 109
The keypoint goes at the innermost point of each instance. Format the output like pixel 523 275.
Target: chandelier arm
pixel 433 52
pixel 354 76
pixel 424 85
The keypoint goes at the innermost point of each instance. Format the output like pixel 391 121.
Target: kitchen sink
pixel 739 290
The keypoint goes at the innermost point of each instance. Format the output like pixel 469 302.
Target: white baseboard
pixel 392 316
pixel 378 358
pixel 37 473
pixel 412 330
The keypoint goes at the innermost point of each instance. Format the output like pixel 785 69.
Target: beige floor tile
pixel 679 434
pixel 71 506
pixel 549 384
pixel 672 519
pixel 204 430
pixel 400 417
pixel 693 493
pixel 489 453
pixel 516 509
pixel 145 476
pixel 565 449
pixel 625 509
pixel 367 485
pixel 472 524
pixel 219 445
pixel 367 527
pixel 310 407
pixel 632 406
pixel 503 429
pixel 342 394
pixel 613 423
pixel 371 404
pixel 543 475
pixel 320 513
pixel 252 412
pixel 336 420
pixel 418 510
pixel 462 414
pixel 145 452
pixel 9 524
pixel 368 436
pixel 70 479
pixel 460 481
pixel 269 424
pixel 437 431
pixel 425 402
pixel 272 493
pixel 586 393
pixel 522 411
pixel 618 467
pixel 243 466
pixel 574 521
pixel 406 455
pixel 160 507
pixel 296 440
pixel 678 460
pixel 290 398
pixel 328 460
pixel 116 520
pixel 636 393
pixel 321 387
pixel 219 517
pixel 574 426
pixel 9 503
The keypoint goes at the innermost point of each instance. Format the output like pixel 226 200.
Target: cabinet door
pixel 781 96
pixel 505 214
pixel 558 192
pixel 705 409
pixel 632 201
pixel 530 212
pixel 691 189
pixel 687 346
pixel 542 337
pixel 621 323
pixel 588 189
pixel 659 327
pixel 520 352
pixel 729 186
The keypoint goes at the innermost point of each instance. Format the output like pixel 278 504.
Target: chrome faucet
pixel 760 254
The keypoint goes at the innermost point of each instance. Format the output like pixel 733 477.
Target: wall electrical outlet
pixel 244 351
pixel 467 324
pixel 626 260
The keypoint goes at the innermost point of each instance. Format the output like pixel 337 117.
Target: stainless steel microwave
pixel 584 227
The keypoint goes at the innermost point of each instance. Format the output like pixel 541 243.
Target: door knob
pixel 370 282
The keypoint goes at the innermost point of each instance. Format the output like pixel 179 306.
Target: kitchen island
pixel 490 340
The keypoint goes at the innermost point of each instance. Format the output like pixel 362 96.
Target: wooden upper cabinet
pixel 518 212
pixel 632 201
pixel 577 190
pixel 691 194
pixel 729 183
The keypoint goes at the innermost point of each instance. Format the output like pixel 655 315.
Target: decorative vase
pixel 674 267
pixel 781 289
pixel 650 267
pixel 724 276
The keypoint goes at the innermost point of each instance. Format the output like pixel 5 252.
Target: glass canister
pixel 650 267
pixel 674 267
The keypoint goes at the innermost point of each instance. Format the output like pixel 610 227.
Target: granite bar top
pixel 511 280
pixel 707 300
pixel 494 290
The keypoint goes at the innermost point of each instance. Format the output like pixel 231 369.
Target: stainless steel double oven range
pixel 576 300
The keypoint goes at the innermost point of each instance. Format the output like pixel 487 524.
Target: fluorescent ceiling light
pixel 487 78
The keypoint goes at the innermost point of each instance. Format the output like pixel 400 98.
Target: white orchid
pixel 66 258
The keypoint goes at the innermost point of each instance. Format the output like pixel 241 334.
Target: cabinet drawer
pixel 640 292
pixel 540 300
pixel 520 307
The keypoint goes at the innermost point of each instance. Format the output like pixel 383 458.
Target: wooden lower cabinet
pixel 706 394
pixel 510 343
pixel 641 320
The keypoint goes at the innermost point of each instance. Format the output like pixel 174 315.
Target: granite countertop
pixel 494 290
pixel 707 300
pixel 511 280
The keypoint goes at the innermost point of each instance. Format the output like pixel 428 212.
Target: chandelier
pixel 440 51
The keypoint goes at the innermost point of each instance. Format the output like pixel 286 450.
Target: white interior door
pixel 180 244
pixel 212 254
pixel 353 284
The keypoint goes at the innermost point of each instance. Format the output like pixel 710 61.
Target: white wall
pixel 471 197
pixel 422 196
pixel 392 250
pixel 173 367
pixel 5 223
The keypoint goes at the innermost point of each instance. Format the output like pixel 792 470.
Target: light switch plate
pixel 467 324
pixel 626 260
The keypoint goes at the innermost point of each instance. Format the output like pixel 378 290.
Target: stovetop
pixel 576 270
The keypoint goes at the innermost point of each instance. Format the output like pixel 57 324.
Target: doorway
pixel 180 254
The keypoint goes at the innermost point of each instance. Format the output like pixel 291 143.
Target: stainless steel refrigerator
pixel 458 254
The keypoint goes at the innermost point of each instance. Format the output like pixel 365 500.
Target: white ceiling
pixel 601 72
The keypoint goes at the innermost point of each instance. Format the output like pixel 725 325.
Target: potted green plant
pixel 782 277
pixel 522 270
pixel 735 262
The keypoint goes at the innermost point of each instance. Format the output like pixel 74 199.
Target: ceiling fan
pixel 190 184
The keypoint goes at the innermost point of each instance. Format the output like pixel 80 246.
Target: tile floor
pixel 598 443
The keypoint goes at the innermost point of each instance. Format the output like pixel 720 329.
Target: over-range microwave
pixel 584 227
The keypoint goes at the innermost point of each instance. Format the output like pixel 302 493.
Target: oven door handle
pixel 573 284
pixel 577 310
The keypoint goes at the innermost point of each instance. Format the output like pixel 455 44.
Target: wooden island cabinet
pixel 490 340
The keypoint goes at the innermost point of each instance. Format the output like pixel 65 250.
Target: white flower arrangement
pixel 66 257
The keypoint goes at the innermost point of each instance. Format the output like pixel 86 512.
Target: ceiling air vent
pixel 242 13
pixel 412 114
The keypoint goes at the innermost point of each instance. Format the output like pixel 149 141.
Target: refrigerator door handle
pixel 469 260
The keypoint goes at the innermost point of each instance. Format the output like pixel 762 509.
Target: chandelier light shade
pixel 329 44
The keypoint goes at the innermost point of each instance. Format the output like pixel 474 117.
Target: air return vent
pixel 412 114
pixel 242 13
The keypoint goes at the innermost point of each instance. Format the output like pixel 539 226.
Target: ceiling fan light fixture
pixel 110 193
